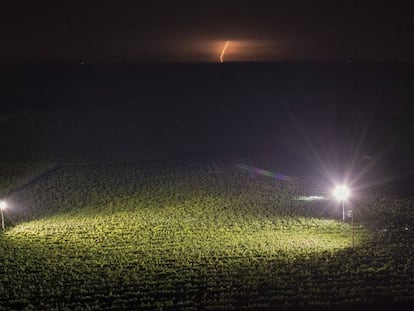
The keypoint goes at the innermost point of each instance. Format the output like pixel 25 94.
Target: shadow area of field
pixel 369 277
pixel 375 306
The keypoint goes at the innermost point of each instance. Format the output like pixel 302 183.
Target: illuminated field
pixel 195 237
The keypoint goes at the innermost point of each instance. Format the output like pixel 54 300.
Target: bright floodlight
pixel 341 193
pixel 3 205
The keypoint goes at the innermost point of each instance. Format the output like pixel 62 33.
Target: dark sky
pixel 62 31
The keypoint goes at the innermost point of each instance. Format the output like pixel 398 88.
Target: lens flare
pixel 258 171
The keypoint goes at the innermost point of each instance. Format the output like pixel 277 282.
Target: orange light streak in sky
pixel 223 51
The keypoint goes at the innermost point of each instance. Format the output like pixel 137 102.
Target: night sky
pixel 196 31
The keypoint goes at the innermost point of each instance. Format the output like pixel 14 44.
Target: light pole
pixel 350 213
pixel 353 233
pixel 3 205
pixel 341 193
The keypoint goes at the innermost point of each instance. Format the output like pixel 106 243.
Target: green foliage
pixel 188 236
pixel 387 211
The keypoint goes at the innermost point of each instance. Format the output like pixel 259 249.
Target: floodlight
pixel 341 193
pixel 3 205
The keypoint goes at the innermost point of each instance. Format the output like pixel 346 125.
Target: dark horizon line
pixel 228 63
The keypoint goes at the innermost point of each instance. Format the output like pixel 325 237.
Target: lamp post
pixel 3 205
pixel 350 213
pixel 353 233
pixel 341 193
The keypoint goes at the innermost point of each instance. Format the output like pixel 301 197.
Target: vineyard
pixel 196 236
